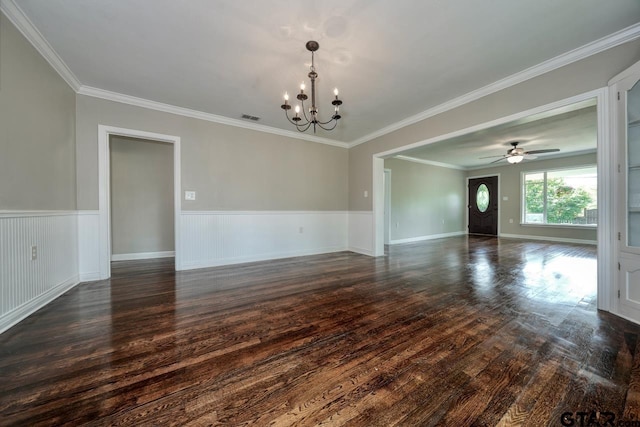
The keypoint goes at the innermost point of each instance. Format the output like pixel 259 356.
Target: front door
pixel 483 205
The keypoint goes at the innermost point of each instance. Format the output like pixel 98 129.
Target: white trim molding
pixel 605 160
pixel 104 132
pixel 28 308
pixel 18 18
pixel 548 239
pixel 429 237
pixel 185 212
pixel 377 228
pixel 429 162
pixel 195 114
pixel 142 255
pixel 500 121
pixel 15 14
pixel 620 37
pixel 34 214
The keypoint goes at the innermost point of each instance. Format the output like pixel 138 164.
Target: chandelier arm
pixel 292 122
pixel 287 116
pixel 308 125
pixel 328 121
pixel 331 128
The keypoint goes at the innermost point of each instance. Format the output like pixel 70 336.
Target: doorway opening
pixel 104 189
pixel 141 199
pixel 603 235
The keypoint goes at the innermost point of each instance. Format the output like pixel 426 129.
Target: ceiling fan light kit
pixel 305 122
pixel 516 154
pixel 515 159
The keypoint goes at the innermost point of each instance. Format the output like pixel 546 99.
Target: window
pixel 566 197
pixel 482 198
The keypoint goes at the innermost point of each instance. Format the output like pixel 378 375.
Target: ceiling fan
pixel 516 154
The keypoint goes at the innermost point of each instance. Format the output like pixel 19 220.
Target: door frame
pixel 104 191
pixel 387 205
pixel 469 201
pixel 605 163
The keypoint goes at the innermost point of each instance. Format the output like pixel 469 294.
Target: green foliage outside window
pixel 564 203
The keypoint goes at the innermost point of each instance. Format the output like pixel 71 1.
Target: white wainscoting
pixel 68 247
pixel 429 237
pixel 25 284
pixel 212 238
pixel 361 232
pixel 89 245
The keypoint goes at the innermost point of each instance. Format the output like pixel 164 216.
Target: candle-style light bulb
pixel 286 97
pixel 302 86
pixel 335 92
pixel 297 109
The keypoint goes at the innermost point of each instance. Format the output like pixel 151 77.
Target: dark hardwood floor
pixel 459 331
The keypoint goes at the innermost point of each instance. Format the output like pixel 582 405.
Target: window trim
pixel 523 199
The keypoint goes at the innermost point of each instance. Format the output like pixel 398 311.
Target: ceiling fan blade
pixel 529 157
pixel 496 161
pixel 488 157
pixel 550 150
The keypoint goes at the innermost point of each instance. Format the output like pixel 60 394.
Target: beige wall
pixel 510 186
pixel 37 129
pixel 142 217
pixel 425 199
pixel 230 168
pixel 577 78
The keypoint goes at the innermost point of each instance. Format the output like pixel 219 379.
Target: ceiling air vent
pixel 249 117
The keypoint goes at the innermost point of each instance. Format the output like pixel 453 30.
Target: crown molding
pixel 430 162
pixel 620 37
pixel 195 114
pixel 17 17
pixel 13 12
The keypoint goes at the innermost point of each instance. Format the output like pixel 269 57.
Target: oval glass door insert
pixel 482 198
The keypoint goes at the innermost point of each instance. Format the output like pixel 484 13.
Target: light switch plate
pixel 189 195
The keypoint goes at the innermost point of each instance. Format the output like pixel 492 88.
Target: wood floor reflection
pixel 459 331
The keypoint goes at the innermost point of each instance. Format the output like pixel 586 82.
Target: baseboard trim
pixel 625 317
pixel 223 213
pixel 549 239
pixel 360 251
pixel 429 237
pixel 257 258
pixel 23 311
pixel 90 277
pixel 142 255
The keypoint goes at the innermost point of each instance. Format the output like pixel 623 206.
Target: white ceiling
pixel 571 129
pixel 390 59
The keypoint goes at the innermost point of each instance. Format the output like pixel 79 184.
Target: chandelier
pixel 306 121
